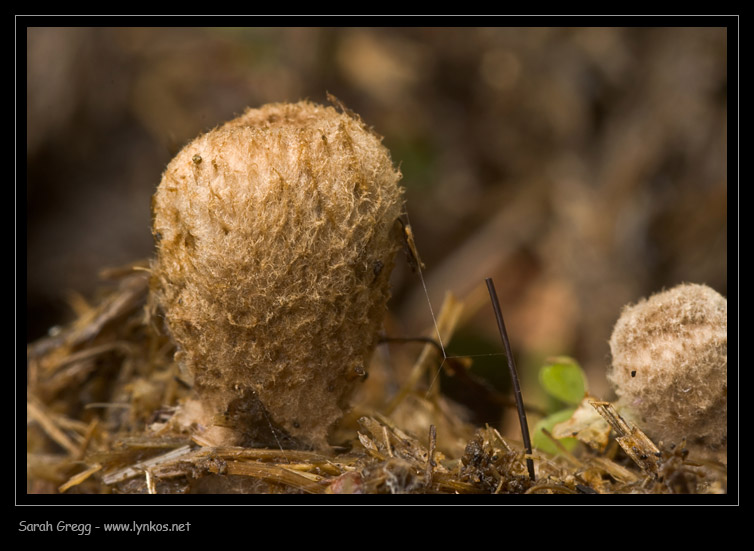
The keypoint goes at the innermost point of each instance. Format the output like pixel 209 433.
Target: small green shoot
pixel 543 442
pixel 563 379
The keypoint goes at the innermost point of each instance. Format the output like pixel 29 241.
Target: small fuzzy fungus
pixel 276 235
pixel 670 366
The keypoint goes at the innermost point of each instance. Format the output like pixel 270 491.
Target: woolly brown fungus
pixel 670 365
pixel 269 230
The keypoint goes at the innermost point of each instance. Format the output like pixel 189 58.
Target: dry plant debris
pixel 100 410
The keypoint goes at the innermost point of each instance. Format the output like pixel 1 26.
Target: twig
pixel 141 466
pixel 431 454
pixel 79 478
pixel 514 375
pixel 36 411
pixel 634 442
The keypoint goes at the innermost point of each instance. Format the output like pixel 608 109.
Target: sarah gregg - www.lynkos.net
pixel 86 528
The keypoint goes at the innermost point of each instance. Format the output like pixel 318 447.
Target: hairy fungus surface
pixel 670 365
pixel 276 238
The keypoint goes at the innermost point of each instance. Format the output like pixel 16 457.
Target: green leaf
pixel 543 442
pixel 563 378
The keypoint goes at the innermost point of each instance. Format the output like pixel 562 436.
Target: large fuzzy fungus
pixel 670 365
pixel 276 236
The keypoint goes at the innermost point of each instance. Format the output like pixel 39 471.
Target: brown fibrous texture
pixel 276 236
pixel 670 365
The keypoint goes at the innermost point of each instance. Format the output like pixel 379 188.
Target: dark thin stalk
pixel 514 375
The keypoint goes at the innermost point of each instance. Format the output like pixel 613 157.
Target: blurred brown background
pixel 580 168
